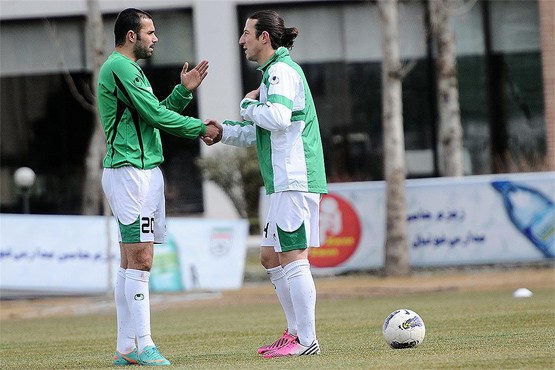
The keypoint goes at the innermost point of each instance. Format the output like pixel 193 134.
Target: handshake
pixel 213 132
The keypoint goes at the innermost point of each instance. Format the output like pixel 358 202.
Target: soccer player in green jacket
pixel 280 119
pixel 132 181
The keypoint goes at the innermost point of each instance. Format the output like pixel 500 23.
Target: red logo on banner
pixel 339 232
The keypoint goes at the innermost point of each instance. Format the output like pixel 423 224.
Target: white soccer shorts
pixel 292 221
pixel 137 200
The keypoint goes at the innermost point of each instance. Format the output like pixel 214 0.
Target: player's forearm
pixel 178 100
pixel 241 134
pixel 182 126
pixel 269 116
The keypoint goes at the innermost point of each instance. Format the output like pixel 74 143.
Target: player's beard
pixel 141 51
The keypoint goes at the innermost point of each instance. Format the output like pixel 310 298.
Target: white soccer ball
pixel 403 329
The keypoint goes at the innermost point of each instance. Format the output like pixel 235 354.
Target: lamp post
pixel 24 178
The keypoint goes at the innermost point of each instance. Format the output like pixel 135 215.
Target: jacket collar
pixel 280 53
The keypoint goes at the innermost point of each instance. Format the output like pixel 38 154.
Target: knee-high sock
pixel 138 300
pixel 281 286
pixel 303 296
pixel 126 331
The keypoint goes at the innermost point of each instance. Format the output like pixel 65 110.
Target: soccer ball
pixel 403 329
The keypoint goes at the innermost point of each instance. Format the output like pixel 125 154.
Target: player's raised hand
pixel 193 78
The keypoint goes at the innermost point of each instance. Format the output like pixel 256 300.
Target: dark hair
pixel 271 22
pixel 128 19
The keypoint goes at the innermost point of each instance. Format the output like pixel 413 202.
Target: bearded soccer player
pixel 132 181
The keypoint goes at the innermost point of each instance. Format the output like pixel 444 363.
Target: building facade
pixel 505 72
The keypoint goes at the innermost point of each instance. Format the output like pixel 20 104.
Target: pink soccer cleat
pixel 294 348
pixel 285 339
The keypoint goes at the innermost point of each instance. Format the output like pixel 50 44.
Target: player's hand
pixel 253 94
pixel 213 132
pixel 193 78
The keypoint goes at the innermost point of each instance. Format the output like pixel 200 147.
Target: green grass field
pixel 464 330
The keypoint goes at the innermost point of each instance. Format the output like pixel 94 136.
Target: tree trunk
pixel 396 249
pixel 92 193
pixel 450 132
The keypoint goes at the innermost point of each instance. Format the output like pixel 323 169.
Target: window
pixel 500 85
pixel 46 128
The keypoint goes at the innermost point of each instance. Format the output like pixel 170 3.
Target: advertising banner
pixel 450 221
pixel 80 254
pixel 201 254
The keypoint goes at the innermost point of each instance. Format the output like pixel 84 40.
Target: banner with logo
pixel 450 221
pixel 80 254
pixel 211 254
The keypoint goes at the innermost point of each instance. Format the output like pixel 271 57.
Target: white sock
pixel 281 286
pixel 126 333
pixel 136 292
pixel 303 296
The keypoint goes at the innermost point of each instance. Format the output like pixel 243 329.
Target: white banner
pixel 450 221
pixel 72 254
pixel 211 254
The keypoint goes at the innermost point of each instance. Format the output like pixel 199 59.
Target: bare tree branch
pixel 462 9
pixel 52 34
pixel 407 68
pixel 88 92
